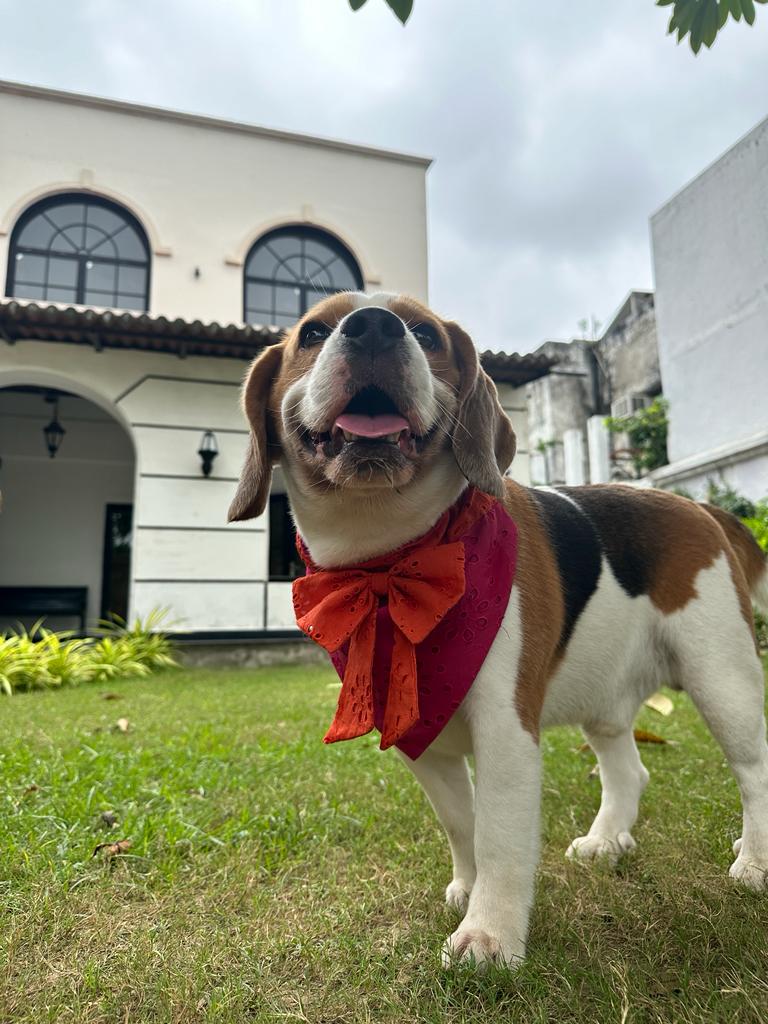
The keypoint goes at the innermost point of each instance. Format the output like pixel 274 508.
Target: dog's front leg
pixel 445 779
pixel 507 796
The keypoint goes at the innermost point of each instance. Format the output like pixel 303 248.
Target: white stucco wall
pixel 52 522
pixel 710 245
pixel 205 190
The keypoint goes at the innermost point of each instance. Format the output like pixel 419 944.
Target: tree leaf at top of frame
pixel 697 28
pixel 748 10
pixel 682 11
pixel 402 8
pixel 735 8
pixel 723 11
pixel 357 4
pixel 709 30
pixel 683 19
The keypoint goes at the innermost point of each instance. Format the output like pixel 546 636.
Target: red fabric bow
pixel 335 606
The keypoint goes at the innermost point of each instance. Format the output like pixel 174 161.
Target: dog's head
pixel 363 395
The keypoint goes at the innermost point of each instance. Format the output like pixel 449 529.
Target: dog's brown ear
pixel 483 439
pixel 263 448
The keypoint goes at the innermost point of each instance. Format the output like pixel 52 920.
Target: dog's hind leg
pixel 718 667
pixel 623 777
pixel 446 780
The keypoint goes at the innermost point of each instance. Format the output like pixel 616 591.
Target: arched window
pixel 290 269
pixel 79 248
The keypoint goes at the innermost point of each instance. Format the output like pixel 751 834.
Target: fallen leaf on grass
pixel 111 696
pixel 122 725
pixel 108 818
pixel 642 736
pixel 33 788
pixel 661 703
pixel 109 850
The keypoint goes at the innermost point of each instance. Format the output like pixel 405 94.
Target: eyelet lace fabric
pixel 409 631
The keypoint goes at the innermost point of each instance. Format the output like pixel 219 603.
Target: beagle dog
pixel 381 417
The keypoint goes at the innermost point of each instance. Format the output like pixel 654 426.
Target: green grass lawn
pixel 272 878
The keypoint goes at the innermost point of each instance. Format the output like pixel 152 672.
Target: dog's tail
pixel 750 555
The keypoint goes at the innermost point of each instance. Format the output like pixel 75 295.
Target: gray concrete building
pixel 616 374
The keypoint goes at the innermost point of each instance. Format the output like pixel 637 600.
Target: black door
pixel 117 561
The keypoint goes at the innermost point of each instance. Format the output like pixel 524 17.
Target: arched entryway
pixel 67 469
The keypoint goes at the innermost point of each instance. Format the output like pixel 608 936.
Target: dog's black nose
pixel 373 329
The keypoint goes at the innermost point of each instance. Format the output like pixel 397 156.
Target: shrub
pixel 647 432
pixel 39 658
pixel 754 515
pixel 758 523
pixel 727 498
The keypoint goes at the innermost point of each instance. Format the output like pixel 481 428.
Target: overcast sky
pixel 556 127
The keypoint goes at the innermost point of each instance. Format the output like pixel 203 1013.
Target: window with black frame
pixel 79 248
pixel 284 560
pixel 289 269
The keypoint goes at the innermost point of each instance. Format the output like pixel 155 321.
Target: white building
pixel 710 247
pixel 147 256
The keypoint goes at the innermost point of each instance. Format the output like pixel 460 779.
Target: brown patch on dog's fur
pixel 443 363
pixel 686 544
pixel 656 543
pixel 542 610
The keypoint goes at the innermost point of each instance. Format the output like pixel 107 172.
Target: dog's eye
pixel 312 333
pixel 427 336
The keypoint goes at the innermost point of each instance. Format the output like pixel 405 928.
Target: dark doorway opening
pixel 116 578
pixel 284 560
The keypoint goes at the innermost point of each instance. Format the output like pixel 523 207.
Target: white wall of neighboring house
pixel 710 246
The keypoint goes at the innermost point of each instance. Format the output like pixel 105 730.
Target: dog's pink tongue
pixel 371 426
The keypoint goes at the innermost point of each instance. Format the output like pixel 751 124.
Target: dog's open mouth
pixel 371 421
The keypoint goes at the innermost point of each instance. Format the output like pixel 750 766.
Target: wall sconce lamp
pixel 53 432
pixel 208 451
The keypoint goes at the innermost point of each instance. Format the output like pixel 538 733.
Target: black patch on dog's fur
pixel 577 548
pixel 622 522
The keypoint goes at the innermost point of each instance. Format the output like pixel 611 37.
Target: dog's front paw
pixel 457 895
pixel 749 874
pixel 475 947
pixel 610 849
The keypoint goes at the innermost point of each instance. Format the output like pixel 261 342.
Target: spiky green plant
pixel 37 657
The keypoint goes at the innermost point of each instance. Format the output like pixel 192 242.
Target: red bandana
pixel 409 631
